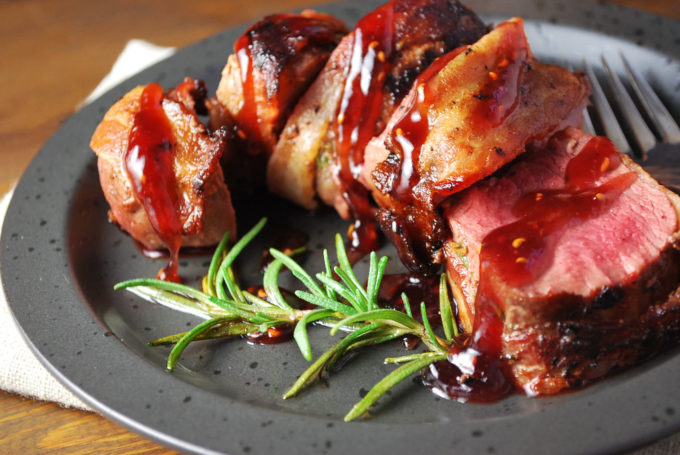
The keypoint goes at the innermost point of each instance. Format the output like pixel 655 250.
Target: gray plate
pixel 60 259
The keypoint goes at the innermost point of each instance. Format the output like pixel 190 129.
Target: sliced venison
pixel 572 250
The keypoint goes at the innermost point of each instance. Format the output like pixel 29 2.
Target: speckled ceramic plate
pixel 60 259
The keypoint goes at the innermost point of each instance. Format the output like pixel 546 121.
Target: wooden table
pixel 52 55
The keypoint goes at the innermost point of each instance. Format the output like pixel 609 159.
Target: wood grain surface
pixel 52 54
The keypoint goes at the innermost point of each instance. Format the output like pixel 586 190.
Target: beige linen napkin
pixel 22 373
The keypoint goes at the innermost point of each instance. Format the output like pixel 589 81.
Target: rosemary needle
pixel 211 277
pixel 300 333
pixel 189 337
pixel 430 333
pixel 389 381
pixel 317 368
pixel 448 324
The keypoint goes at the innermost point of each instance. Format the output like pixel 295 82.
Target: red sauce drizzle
pixel 358 114
pixel 410 132
pixel 149 164
pixel 500 94
pixel 496 100
pixel 418 288
pixel 518 254
pixel 273 335
pixel 363 235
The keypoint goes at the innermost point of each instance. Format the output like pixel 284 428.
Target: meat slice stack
pixel 473 111
pixel 574 248
pixel 561 253
pixel 320 151
pixel 162 170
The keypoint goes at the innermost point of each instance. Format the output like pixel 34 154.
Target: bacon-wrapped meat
pixel 470 113
pixel 160 173
pixel 320 151
pixel 273 63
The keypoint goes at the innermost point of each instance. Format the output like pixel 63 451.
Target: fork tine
pixel 643 135
pixel 607 117
pixel 662 119
pixel 588 127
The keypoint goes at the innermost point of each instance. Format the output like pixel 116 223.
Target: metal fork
pixel 659 156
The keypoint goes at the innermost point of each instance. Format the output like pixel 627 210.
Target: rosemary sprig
pixel 231 310
pixel 328 359
pixel 340 302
